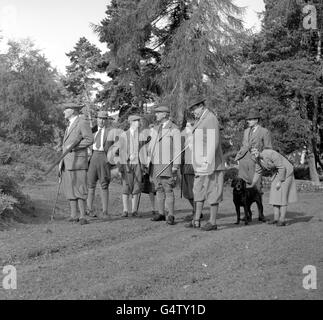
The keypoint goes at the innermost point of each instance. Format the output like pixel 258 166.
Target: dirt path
pixel 135 258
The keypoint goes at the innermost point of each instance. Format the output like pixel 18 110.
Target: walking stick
pixel 138 202
pixel 53 212
pixel 179 154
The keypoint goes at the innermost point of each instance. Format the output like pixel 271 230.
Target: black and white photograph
pixel 161 154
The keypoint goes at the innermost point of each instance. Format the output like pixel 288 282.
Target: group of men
pixel 157 153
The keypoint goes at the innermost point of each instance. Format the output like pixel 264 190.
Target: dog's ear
pixel 243 184
pixel 234 182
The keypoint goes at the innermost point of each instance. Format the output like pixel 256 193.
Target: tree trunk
pixel 313 172
pixel 319 46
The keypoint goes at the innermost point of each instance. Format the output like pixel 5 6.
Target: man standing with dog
pixel 254 136
pixel 208 163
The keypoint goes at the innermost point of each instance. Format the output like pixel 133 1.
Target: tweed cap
pixel 134 117
pixel 197 100
pixel 162 108
pixel 253 114
pixel 72 105
pixel 103 115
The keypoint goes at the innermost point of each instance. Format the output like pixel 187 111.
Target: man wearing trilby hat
pixel 99 167
pixel 208 164
pixel 73 167
pixel 257 137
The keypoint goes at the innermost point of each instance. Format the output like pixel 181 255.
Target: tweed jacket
pixel 186 165
pixel 207 150
pixel 165 144
pixel 259 139
pixel 78 158
pixel 274 161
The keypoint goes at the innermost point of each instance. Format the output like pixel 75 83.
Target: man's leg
pixel 152 201
pixel 213 186
pixel 134 204
pixel 105 201
pixel 89 201
pixel 81 205
pixel 125 203
pixel 160 197
pixel 73 206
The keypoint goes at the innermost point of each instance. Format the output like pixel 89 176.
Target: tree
pixel 168 49
pixel 81 80
pixel 30 89
pixel 285 80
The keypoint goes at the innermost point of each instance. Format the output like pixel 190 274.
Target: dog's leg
pixel 246 214
pixel 260 207
pixel 238 213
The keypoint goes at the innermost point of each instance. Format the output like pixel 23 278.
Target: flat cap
pixel 253 114
pixel 73 105
pixel 103 115
pixel 197 100
pixel 134 117
pixel 162 108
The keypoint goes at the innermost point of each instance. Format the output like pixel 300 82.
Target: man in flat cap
pixel 99 167
pixel 254 136
pixel 73 167
pixel 130 166
pixel 165 144
pixel 208 163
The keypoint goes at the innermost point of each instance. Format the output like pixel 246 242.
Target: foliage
pixel 30 89
pixel 168 49
pixel 80 80
pixel 28 163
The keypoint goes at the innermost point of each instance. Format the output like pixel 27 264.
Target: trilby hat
pixel 253 114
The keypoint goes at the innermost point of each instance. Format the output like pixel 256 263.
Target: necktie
pixel 98 140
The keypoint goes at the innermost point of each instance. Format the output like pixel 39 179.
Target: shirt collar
pixel 165 123
pixel 71 120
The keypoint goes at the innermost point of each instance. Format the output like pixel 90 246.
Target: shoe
pixel 193 224
pixel 159 217
pixel 189 217
pixel 209 227
pixel 135 214
pixel 272 222
pixel 262 219
pixel 83 221
pixel 71 219
pixel 90 213
pixel 170 220
pixel 281 224
pixel 124 214
pixel 105 216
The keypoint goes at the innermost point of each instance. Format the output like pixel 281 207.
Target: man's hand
pixel 278 185
pixel 174 171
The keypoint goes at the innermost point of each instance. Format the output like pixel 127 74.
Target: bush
pixel 302 173
pixel 10 193
pixel 28 163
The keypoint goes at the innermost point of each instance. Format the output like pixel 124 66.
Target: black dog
pixel 245 197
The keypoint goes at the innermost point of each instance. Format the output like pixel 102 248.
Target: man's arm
pixel 267 140
pixel 86 134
